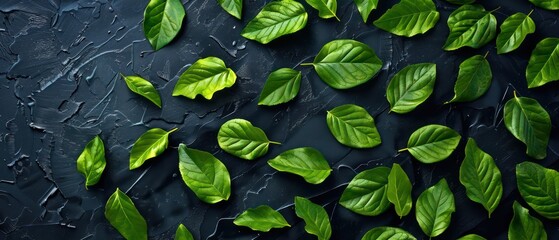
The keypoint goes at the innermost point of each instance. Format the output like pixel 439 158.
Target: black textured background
pixel 59 87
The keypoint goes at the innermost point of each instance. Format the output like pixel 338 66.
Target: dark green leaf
pixel 316 219
pixel 411 86
pixel 276 19
pixel 182 233
pixel 474 79
pixel 365 7
pixel 149 145
pixel 306 162
pixel 353 126
pixel 387 233
pixel 525 227
pixel 326 8
pixel 481 177
pixel 240 138
pixel 409 18
pixel 539 187
pixel 91 162
pixel 513 32
pixel 399 190
pixel 262 218
pixel 434 208
pixel 204 174
pixel 143 88
pixel 366 194
pixel 432 143
pixel 205 77
pixel 233 7
pixel 345 63
pixel 472 237
pixel 162 21
pixel 470 26
pixel 281 87
pixel 543 66
pixel 546 4
pixel 123 215
pixel 528 121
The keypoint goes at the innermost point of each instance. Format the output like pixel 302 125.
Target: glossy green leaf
pixel 474 79
pixel 411 86
pixel 281 86
pixel 513 32
pixel 240 138
pixel 276 19
pixel 481 177
pixel 470 26
pixel 262 218
pixel 91 162
pixel 316 219
pixel 461 2
pixel 326 8
pixel 399 190
pixel 387 233
pixel 122 214
pixel 306 162
pixel 182 233
pixel 233 7
pixel 353 126
pixel 143 88
pixel 149 145
pixel 162 21
pixel 345 63
pixel 546 4
pixel 432 143
pixel 205 77
pixel 525 227
pixel 434 209
pixel 530 123
pixel 204 174
pixel 539 187
pixel 365 7
pixel 409 18
pixel 543 66
pixel 366 194
pixel 472 237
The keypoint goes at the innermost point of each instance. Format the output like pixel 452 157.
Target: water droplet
pixel 234 43
pixel 234 27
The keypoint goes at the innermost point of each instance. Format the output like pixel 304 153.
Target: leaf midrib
pixel 346 123
pixel 151 146
pixel 302 14
pixel 554 52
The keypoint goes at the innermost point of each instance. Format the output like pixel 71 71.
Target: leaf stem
pixel 307 64
pixel 172 130
pixel 486 54
pixel 530 12
pixel 402 150
pixel 514 93
pixel 273 142
pixel 336 17
pixel 495 9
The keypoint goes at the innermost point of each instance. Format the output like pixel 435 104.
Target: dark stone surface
pixel 59 86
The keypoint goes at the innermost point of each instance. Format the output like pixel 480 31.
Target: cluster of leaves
pixel 344 64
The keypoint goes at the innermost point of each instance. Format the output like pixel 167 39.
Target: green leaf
pixel 182 233
pixel 233 7
pixel 205 77
pixel 316 219
pixel 472 237
pixel 162 21
pixel 409 18
pixel 366 194
pixel 240 138
pixel 470 26
pixel 461 2
pixel 474 79
pixel 345 63
pixel 123 215
pixel 539 187
pixel 481 177
pixel 387 233
pixel 365 7
pixel 513 32
pixel 530 123
pixel 432 143
pixel 525 227
pixel 434 208
pixel 326 8
pixel 281 86
pixel 91 162
pixel 149 145
pixel 276 19
pixel 204 174
pixel 546 4
pixel 399 190
pixel 353 126
pixel 262 218
pixel 306 162
pixel 544 63
pixel 411 86
pixel 143 88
